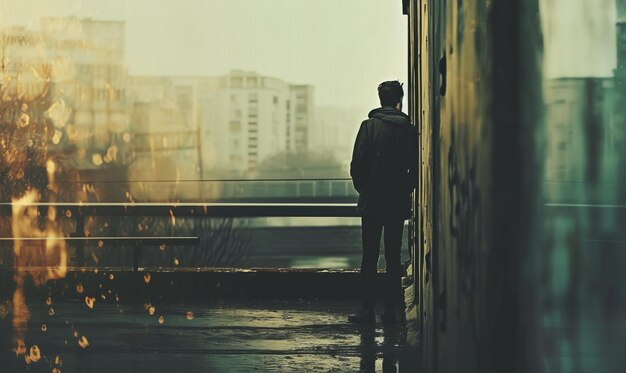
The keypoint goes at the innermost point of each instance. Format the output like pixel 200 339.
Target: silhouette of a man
pixel 384 172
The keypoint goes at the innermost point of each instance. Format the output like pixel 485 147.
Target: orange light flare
pixel 48 251
pixel 83 342
pixel 34 355
pixel 20 347
pixel 57 363
pixel 172 218
pixel 89 301
pixel 39 250
pixel 176 183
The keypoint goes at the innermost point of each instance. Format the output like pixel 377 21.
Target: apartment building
pixel 165 142
pixel 89 76
pixel 246 117
pixel 72 73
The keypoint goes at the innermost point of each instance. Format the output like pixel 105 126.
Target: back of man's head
pixel 390 93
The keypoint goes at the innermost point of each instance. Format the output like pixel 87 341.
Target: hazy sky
pixel 343 47
pixel 579 37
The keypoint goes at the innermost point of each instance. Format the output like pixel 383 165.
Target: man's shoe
pixel 363 318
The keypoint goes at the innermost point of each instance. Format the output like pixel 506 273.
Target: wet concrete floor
pixel 220 336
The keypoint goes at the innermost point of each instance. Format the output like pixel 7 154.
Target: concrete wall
pixel 476 101
pixel 521 203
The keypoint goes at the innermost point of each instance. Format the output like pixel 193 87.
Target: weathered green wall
pixel 476 108
pixel 521 205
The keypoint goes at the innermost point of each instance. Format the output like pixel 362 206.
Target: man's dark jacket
pixel 384 164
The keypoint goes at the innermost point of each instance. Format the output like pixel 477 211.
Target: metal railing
pixel 339 190
pixel 80 211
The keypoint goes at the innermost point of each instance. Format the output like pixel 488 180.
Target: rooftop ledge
pixel 197 284
pixel 217 209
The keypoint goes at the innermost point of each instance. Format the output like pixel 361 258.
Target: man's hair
pixel 390 93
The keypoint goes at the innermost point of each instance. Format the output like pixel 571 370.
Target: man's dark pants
pixel 371 231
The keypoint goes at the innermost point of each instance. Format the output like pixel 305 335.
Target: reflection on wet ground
pixel 224 336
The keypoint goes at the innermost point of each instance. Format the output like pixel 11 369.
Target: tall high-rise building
pixel 585 127
pixel 620 70
pixel 78 66
pixel 24 62
pixel 300 126
pixel 580 128
pixel 165 142
pixel 246 118
pixel 91 84
pixel 190 127
pixel 204 126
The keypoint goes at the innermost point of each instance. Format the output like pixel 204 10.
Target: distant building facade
pixel 165 143
pixel 585 131
pixel 585 128
pixel 246 117
pixel 151 128
pixel 580 131
pixel 90 81
pixel 23 61
pixel 71 74
pixel 239 120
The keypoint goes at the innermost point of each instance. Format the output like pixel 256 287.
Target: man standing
pixel 384 172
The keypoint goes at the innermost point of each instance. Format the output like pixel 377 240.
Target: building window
pixel 235 126
pixel 236 82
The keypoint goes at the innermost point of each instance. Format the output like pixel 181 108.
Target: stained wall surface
pixel 520 205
